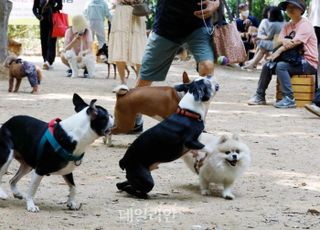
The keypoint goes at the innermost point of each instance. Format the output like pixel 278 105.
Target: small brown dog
pixel 14 47
pixel 19 69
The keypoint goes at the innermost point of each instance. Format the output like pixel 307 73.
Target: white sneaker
pixel 119 88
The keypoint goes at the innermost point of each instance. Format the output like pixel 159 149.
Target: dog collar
pixel 188 113
pixel 48 136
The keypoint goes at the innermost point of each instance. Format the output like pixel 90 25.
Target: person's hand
pixel 208 8
pixel 288 43
pixel 247 22
pixel 275 54
pixel 39 17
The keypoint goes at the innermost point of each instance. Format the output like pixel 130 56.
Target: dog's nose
pixel 234 157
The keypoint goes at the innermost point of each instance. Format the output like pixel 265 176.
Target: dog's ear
pixel 92 110
pixel 182 87
pixel 235 137
pixel 223 139
pixel 78 103
pixel 185 77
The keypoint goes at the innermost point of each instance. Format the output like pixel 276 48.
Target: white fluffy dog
pixel 225 159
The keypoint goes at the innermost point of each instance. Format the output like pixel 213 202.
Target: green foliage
pixel 256 6
pixel 150 19
pixel 24 31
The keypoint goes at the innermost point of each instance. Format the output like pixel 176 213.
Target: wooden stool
pixel 303 87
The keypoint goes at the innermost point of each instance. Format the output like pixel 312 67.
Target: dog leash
pixel 209 31
pixel 57 148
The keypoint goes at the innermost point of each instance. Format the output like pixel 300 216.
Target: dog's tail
pixel 121 90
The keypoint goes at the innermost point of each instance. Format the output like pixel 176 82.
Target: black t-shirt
pixel 174 19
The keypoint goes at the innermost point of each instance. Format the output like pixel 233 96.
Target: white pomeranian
pixel 225 159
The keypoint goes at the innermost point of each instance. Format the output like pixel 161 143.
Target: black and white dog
pixel 168 140
pixel 50 148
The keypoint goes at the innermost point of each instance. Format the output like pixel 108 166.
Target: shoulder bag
pixel 226 38
pixel 141 9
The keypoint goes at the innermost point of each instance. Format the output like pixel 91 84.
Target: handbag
pixel 59 24
pixel 141 9
pixel 293 56
pixel 227 40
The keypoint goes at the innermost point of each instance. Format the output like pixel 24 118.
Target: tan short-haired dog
pixel 19 69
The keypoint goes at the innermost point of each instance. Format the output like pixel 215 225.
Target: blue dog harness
pixel 48 136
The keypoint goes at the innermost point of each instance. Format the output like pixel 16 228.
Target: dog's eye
pixel 227 152
pixel 237 151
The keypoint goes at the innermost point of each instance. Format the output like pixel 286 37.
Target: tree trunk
pixel 5 9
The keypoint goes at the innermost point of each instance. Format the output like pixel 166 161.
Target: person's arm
pixel 36 9
pixel 68 41
pixel 107 12
pixel 209 7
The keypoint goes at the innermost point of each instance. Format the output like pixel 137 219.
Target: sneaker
pixel 85 73
pixel 136 129
pixel 120 87
pixel 313 109
pixel 286 102
pixel 69 73
pixel 257 100
pixel 46 66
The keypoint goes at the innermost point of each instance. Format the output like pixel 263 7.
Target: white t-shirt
pixel 314 13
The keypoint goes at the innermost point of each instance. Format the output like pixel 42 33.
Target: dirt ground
pixel 281 189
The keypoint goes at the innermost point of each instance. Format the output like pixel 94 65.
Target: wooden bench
pixel 303 87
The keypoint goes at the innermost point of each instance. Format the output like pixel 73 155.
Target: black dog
pixel 54 148
pixel 168 140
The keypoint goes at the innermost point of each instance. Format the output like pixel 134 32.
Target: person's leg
pixel 100 33
pixel 256 59
pixel 51 42
pixel 71 57
pixel 156 60
pixel 44 39
pixel 264 80
pixel 121 66
pixel 200 45
pixel 284 72
pixel 263 83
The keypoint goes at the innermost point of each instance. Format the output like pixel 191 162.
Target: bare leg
pixel 35 182
pixel 256 59
pixel 206 68
pixel 121 69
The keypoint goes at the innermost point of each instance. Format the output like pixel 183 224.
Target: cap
pixel 298 3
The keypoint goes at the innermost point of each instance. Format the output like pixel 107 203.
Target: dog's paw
pixel 205 192
pixel 32 208
pixel 3 194
pixel 228 195
pixel 72 205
